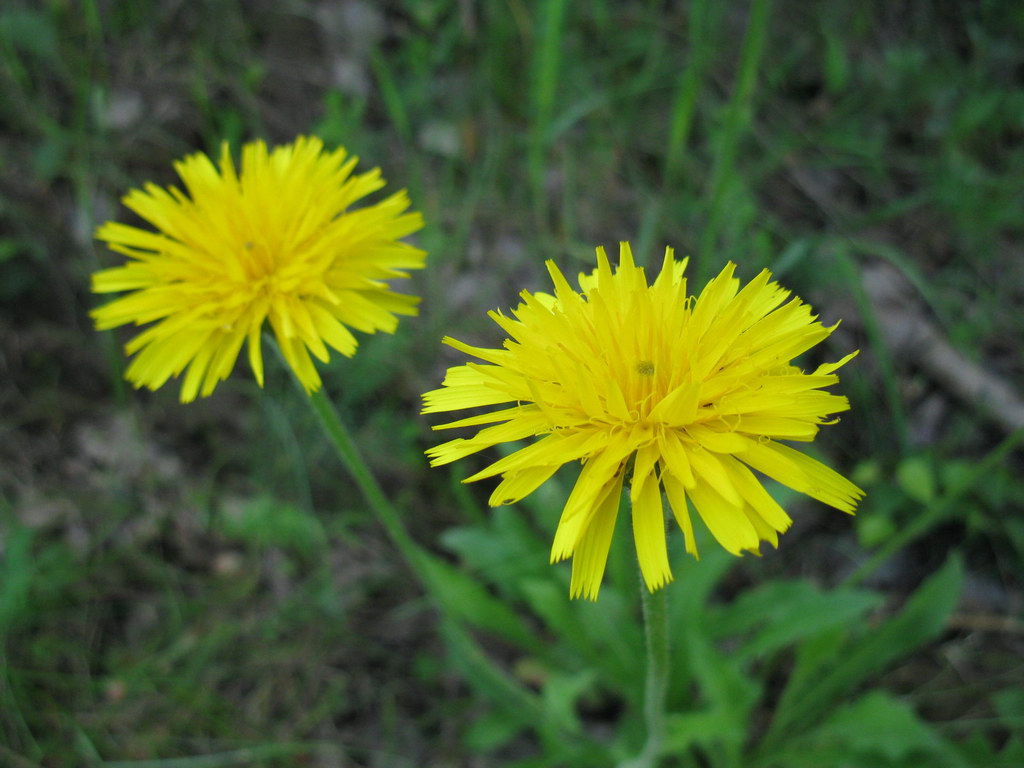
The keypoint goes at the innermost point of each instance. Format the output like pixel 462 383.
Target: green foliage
pixel 874 730
pixel 264 523
pixel 916 479
pixel 819 679
pixel 837 649
pixel 247 610
pixel 781 612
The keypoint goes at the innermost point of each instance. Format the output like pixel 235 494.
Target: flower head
pixel 689 394
pixel 273 241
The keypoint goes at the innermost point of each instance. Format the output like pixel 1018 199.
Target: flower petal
pixel 649 535
pixel 727 522
pixel 591 553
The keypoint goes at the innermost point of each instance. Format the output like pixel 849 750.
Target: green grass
pixel 201 585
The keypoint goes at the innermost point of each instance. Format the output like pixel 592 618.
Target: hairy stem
pixel 656 684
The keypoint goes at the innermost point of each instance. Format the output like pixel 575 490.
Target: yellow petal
pixel 520 484
pixel 727 523
pixel 755 494
pixel 643 470
pixel 709 471
pixel 680 510
pixel 593 483
pixel 649 535
pixel 591 553
pixel 675 457
pixel 802 473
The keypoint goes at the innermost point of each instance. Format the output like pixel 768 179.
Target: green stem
pixel 350 456
pixel 656 685
pixel 417 559
pixel 452 626
pixel 505 690
pixel 500 686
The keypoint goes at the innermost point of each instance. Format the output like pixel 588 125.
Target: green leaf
pixel 552 604
pixel 877 724
pixel 729 696
pixel 1009 703
pixel 687 729
pixel 50 157
pixel 560 693
pixel 917 479
pixel 837 66
pixel 514 699
pixel 615 634
pixel 469 600
pixel 491 731
pixel 503 550
pixel 1012 754
pixel 10 248
pixel 687 605
pixel 604 635
pixel 875 528
pixel 266 522
pixel 781 612
pixel 564 743
pixel 31 32
pixel 813 656
pixel 977 749
pixel 808 699
pixel 17 571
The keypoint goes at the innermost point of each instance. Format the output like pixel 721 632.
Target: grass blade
pixel 736 123
pixel 546 63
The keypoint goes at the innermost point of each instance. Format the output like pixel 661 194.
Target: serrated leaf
pixel 877 724
pixel 781 612
pixel 923 617
pixel 977 749
pixel 687 729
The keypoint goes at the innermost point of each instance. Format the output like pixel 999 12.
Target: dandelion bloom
pixel 274 240
pixel 691 394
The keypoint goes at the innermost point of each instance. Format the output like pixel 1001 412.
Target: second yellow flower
pixel 690 393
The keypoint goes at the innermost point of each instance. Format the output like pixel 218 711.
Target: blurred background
pixel 185 586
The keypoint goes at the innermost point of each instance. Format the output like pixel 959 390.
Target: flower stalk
pixel 655 610
pixel 348 453
pixel 654 605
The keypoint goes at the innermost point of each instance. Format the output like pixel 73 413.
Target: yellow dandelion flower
pixel 691 394
pixel 273 241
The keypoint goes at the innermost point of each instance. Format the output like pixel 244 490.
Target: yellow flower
pixel 274 241
pixel 689 394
